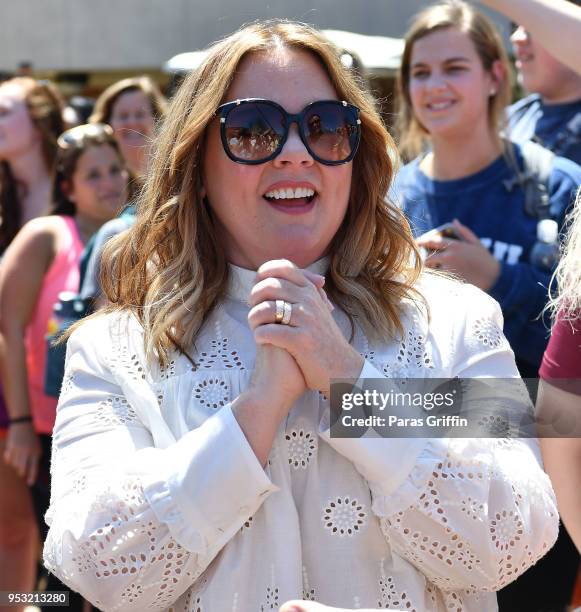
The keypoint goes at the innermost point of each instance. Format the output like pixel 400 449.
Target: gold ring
pixel 279 314
pixel 287 314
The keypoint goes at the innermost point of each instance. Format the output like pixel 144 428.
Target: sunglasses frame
pixel 224 110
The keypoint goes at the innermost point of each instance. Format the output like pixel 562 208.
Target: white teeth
pixel 440 105
pixel 289 193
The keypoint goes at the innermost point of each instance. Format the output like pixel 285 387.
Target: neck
pixel 87 226
pixel 136 159
pixel 29 168
pixel 34 183
pixel 455 159
pixel 569 92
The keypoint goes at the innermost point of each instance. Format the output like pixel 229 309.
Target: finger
pixel 265 313
pixel 19 464
pixel 279 289
pixel 323 294
pixel 281 336
pixel 437 261
pixel 32 470
pixel 466 233
pixel 283 269
pixel 436 244
pixel 317 279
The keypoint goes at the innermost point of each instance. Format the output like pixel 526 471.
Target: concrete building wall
pixel 86 35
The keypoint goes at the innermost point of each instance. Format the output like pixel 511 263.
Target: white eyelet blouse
pixel 159 503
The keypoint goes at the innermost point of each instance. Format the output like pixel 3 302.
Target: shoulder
pixel 458 312
pixel 408 171
pixel 405 180
pixel 448 297
pixel 109 334
pixel 38 239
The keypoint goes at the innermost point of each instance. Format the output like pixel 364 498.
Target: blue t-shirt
pixel 555 126
pixel 496 215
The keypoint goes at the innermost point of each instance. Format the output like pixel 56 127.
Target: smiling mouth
pixel 437 106
pixel 290 197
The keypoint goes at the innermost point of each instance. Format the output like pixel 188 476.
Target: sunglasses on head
pixel 76 137
pixel 254 130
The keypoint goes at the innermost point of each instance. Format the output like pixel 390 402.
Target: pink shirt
pixel 63 275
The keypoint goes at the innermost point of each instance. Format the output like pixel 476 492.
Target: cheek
pixel 81 190
pixel 415 94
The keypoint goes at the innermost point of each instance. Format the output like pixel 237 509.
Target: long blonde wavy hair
pixel 567 276
pixel 170 270
pixel 457 15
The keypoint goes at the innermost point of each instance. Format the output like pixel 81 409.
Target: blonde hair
pixel 170 270
pixel 106 101
pixel 567 276
pixel 456 15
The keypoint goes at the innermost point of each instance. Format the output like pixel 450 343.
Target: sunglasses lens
pixel 331 130
pixel 254 131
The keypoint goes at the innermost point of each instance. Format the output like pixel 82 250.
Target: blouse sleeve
pixel 470 513
pixel 133 524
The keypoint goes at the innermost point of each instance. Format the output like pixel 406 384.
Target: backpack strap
pixel 533 178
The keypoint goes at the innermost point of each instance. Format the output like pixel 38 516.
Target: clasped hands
pixel 316 350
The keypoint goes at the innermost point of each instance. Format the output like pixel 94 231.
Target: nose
pixel 294 150
pixel 435 82
pixel 519 36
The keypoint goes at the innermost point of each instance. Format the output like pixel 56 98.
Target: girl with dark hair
pixel 30 123
pixel 90 187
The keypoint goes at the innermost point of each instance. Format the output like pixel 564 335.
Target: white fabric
pixel 158 501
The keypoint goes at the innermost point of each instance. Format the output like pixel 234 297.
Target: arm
pixel 562 457
pixel 555 23
pixel 470 513
pixel 23 268
pixel 135 515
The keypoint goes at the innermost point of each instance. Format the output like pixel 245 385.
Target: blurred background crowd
pixel 81 93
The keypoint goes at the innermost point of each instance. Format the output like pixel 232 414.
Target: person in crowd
pixel 131 107
pixel 554 23
pixel 193 465
pixel 453 90
pixel 559 400
pixel 43 259
pixel 551 114
pixel 30 123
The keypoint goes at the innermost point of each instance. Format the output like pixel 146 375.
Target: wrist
pixel 20 420
pixel 260 400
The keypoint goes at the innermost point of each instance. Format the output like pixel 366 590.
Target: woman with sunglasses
pixel 193 462
pixel 30 122
pixel 43 260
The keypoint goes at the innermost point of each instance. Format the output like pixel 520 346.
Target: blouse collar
pixel 241 280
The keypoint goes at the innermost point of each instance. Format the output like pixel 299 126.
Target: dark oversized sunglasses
pixel 254 130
